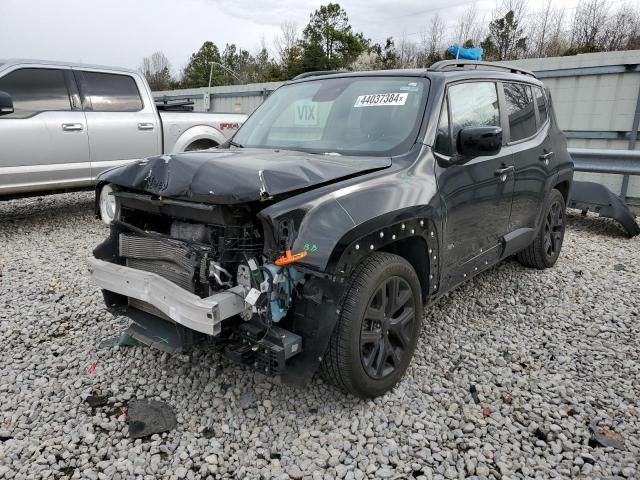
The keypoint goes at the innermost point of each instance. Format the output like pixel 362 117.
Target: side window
pixel 110 92
pixel 473 104
pixel 519 104
pixel 443 134
pixel 35 90
pixel 542 105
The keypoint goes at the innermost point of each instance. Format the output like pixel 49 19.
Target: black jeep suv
pixel 345 203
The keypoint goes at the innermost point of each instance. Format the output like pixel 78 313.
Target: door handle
pixel 145 126
pixel 72 127
pixel 504 172
pixel 547 156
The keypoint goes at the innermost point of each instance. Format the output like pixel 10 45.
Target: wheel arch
pixel 197 133
pixel 415 239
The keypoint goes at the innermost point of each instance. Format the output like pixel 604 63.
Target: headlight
pixel 109 206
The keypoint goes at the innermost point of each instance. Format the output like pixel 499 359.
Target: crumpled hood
pixel 235 176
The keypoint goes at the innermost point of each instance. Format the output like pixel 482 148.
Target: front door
pixel 122 126
pixel 44 143
pixel 475 197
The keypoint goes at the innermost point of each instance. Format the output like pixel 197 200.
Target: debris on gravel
pixel 561 347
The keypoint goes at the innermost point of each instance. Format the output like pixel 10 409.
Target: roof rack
pixel 445 65
pixel 317 73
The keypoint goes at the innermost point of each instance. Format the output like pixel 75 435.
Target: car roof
pixel 26 61
pixel 476 71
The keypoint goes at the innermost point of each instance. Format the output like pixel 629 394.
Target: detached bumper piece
pixel 267 352
pixel 203 315
pixel 599 199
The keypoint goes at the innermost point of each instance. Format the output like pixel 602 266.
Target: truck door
pixel 123 124
pixel 43 143
pixel 476 196
pixel 531 153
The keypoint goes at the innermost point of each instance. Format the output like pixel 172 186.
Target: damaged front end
pixel 187 272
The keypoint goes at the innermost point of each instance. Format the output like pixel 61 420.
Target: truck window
pixel 473 104
pixel 519 105
pixel 110 92
pixel 36 90
pixel 542 106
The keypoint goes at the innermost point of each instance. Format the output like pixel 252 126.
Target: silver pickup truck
pixel 61 124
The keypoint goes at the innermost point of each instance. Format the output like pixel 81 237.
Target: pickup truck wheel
pixel 200 145
pixel 545 248
pixel 376 335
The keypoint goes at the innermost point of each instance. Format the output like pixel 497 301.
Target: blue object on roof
pixel 474 53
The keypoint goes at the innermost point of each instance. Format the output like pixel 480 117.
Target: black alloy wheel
pixel 387 327
pixel 554 229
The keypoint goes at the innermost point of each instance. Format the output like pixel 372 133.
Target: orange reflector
pixel 289 258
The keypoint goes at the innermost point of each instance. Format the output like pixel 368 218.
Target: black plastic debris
pixel 456 364
pixel 96 401
pixel 603 437
pixel 123 340
pixel 208 433
pixel 541 435
pixel 146 417
pixel 474 394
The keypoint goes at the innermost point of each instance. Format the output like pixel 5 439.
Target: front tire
pixel 377 332
pixel 544 251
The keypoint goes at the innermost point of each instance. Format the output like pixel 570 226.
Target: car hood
pixel 236 176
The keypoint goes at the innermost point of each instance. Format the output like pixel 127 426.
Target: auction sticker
pixel 379 99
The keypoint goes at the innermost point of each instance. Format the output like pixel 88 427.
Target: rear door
pixel 527 134
pixel 44 143
pixel 123 125
pixel 476 196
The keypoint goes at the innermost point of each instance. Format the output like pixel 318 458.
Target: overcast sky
pixel 122 32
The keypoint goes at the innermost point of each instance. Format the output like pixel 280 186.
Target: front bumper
pixel 203 315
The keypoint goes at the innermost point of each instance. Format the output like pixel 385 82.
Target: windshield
pixel 347 116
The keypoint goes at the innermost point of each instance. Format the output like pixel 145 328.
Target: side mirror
pixel 6 104
pixel 479 141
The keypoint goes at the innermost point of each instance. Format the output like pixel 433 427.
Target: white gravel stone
pixel 548 351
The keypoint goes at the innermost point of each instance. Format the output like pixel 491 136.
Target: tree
pixel 157 70
pixel 196 73
pixel 468 30
pixel 506 39
pixel 432 42
pixel 329 42
pixel 589 26
pixel 288 51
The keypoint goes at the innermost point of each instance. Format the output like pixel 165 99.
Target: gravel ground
pixel 548 351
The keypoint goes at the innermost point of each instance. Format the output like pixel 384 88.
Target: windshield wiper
pixel 235 144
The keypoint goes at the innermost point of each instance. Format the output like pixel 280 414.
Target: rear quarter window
pixel 110 92
pixel 541 102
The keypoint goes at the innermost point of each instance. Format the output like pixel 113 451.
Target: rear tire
pixel 377 332
pixel 544 251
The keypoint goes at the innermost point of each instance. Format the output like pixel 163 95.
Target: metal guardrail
pixel 622 162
